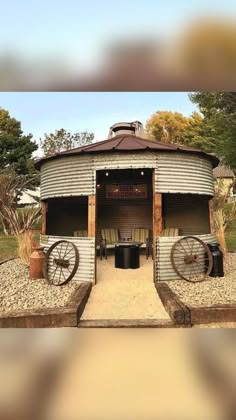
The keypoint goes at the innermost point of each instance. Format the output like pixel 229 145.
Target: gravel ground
pixel 211 291
pixel 124 294
pixel 18 292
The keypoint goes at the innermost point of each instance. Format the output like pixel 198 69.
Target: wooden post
pixel 211 216
pixel 92 216
pixel 157 220
pixel 44 208
pixel 157 215
pixel 92 227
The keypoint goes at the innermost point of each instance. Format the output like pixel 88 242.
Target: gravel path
pixel 212 291
pixel 18 292
pixel 124 294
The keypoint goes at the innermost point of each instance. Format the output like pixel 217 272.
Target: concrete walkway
pixel 124 294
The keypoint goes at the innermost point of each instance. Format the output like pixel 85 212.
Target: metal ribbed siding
pixel 67 176
pixel 75 175
pixel 184 174
pixel 125 160
pixel 86 248
pixel 164 269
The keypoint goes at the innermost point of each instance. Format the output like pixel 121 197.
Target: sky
pixel 44 112
pixel 78 29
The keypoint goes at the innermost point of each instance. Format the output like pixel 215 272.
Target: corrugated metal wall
pixel 183 173
pixel 86 248
pixel 67 176
pixel 125 160
pixel 164 269
pixel 187 212
pixel 75 175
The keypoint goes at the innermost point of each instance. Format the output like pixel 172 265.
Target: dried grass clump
pixel 24 246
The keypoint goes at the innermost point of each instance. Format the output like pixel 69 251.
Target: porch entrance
pixel 124 212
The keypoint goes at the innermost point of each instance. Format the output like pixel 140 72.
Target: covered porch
pixel 126 203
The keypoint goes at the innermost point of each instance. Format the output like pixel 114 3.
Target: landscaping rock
pixel 218 290
pixel 19 292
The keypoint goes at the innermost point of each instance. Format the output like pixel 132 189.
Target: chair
pixel 170 232
pixel 109 238
pixel 142 235
pixel 83 233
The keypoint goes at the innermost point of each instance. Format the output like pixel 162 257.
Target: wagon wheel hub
pixel 190 259
pixel 61 263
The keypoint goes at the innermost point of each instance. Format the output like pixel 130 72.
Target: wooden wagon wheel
pixel 61 262
pixel 191 259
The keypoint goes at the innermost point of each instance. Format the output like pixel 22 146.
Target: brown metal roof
pixel 126 143
pixel 222 171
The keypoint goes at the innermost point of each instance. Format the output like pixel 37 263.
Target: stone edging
pixel 66 316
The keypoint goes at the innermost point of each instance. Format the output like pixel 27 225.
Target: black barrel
pixel 218 263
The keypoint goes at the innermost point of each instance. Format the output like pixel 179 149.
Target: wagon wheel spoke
pixel 182 247
pixel 54 274
pixel 182 252
pixel 189 246
pixel 66 249
pixel 68 252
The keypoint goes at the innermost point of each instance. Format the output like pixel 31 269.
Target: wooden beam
pixel 92 216
pixel 157 215
pixel 44 208
pixel 211 216
pixel 92 225
pixel 157 221
pixel 126 323
pixel 178 311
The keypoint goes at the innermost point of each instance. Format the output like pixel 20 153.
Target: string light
pixel 142 173
pixel 107 173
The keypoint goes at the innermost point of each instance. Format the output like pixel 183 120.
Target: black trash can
pixel 218 260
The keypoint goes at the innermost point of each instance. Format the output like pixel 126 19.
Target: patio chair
pixel 109 238
pixel 83 233
pixel 170 232
pixel 142 235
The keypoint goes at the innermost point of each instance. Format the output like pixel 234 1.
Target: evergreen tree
pixel 16 149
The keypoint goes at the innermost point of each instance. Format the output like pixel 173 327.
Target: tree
pixel 62 140
pixel 16 149
pixel 200 134
pixel 168 127
pixel 224 212
pixel 173 127
pixel 219 110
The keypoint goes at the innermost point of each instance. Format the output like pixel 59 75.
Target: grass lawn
pixel 231 237
pixel 8 246
pixel 231 243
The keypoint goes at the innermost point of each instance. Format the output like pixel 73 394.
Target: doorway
pixel 124 207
